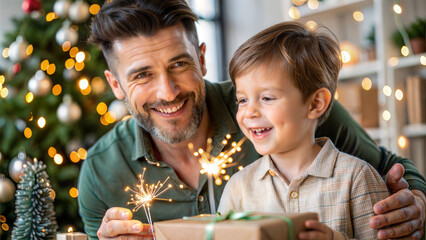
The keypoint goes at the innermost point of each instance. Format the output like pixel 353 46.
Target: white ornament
pixel 7 189
pixel 17 166
pixel 40 84
pixel 66 33
pixel 79 11
pixel 68 111
pixel 61 8
pixel 119 108
pixel 18 50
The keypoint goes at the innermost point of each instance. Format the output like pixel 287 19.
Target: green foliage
pixel 415 29
pixel 35 213
pixel 14 109
pixel 371 37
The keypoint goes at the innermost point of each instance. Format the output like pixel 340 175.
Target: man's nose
pixel 168 89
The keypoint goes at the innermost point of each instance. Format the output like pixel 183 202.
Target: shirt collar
pixel 265 165
pixel 223 124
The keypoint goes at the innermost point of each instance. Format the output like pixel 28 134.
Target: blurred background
pixel 55 102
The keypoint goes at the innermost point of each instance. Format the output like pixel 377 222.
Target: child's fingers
pixel 316 225
pixel 314 235
pixel 316 230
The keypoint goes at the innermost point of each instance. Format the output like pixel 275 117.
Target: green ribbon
pixel 238 216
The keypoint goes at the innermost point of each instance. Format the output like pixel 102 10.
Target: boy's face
pixel 271 111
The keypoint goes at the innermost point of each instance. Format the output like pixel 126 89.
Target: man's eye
pixel 142 75
pixel 179 64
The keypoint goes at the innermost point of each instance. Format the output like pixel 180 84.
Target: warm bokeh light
pixel 94 9
pixel 83 83
pixel 103 121
pixel 294 13
pixel 86 91
pixel 402 142
pixel 27 132
pixel 386 115
pixel 405 51
pixel 397 9
pixel 29 97
pixel 298 2
pixel 51 69
pixel 313 4
pixel 2 79
pixel 74 51
pixel 423 60
pixel 110 117
pixel 346 57
pixel 181 186
pixel 311 25
pixel 69 63
pixel 5 53
pixel 50 16
pixel 336 95
pixel 29 49
pixel 58 159
pixel 66 46
pixel 75 27
pixel 5 227
pixel 226 177
pixel 98 85
pixel 79 66
pixel 82 153
pixel 80 57
pixel 393 61
pixel 74 157
pixel 102 108
pixel 52 194
pixel 2 218
pixel 52 152
pixel 41 122
pixel 73 192
pixel 399 95
pixel 358 16
pixel 366 84
pixel 44 65
pixel 387 90
pixel 4 92
pixel 57 89
pixel 240 168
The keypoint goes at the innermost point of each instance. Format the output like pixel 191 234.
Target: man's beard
pixel 164 134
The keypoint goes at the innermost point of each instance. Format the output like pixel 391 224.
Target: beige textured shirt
pixel 341 188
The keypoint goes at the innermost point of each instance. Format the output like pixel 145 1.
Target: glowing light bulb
pixel 387 90
pixel 397 9
pixel 405 51
pixel 399 94
pixel 386 115
pixel 366 84
pixel 41 122
pixel 402 142
pixel 294 13
pixel 358 16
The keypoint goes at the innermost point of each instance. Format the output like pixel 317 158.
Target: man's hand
pixel 118 224
pixel 399 215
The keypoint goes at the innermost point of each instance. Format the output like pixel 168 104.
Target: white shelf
pixel 414 130
pixel 362 69
pixel 407 62
pixel 332 6
pixel 375 133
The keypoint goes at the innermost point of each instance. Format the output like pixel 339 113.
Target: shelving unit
pixel 389 69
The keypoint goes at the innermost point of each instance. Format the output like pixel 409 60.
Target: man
pixel 156 66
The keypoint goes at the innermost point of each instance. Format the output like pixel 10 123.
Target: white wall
pixel 8 9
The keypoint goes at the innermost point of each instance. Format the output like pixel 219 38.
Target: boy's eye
pixel 267 98
pixel 241 101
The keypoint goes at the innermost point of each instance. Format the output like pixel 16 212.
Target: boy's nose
pixel 252 111
pixel 167 89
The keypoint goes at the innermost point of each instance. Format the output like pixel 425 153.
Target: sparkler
pixel 144 194
pixel 215 166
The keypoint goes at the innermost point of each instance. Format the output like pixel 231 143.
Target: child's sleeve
pixel 232 196
pixel 368 188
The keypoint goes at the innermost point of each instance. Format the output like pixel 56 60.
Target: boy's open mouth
pixel 260 131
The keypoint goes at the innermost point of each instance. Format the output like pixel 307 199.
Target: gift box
pixel 252 226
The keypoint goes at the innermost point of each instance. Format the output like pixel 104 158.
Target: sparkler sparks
pixel 215 166
pixel 144 194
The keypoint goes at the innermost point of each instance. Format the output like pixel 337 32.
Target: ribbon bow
pixel 231 215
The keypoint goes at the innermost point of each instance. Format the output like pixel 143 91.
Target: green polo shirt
pixel 117 159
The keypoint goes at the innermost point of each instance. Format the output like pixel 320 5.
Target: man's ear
pixel 115 85
pixel 319 103
pixel 202 57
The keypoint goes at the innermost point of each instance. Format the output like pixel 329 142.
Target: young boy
pixel 285 79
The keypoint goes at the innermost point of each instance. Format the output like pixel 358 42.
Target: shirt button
pixel 272 173
pixel 294 194
pixel 200 198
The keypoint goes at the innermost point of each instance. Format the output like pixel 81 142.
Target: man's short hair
pixel 121 19
pixel 310 57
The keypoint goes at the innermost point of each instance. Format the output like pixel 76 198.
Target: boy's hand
pixel 118 224
pixel 317 231
pixel 399 215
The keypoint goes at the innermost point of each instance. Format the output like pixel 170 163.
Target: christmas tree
pixel 35 213
pixel 54 100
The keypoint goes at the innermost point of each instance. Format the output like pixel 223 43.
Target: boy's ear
pixel 115 85
pixel 319 103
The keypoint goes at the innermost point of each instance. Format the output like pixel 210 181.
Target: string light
pixel 94 9
pixel 29 50
pixel 386 115
pixel 41 122
pixel 336 95
pixel 44 65
pixel 82 153
pixel 83 83
pixel 5 53
pixel 423 60
pixel 366 84
pixel 405 51
pixel 51 69
pixel 402 142
pixel 312 25
pixel 393 61
pixel 294 13
pixel 399 94
pixel 69 63
pixel 387 90
pixel 5 227
pixel 74 51
pixel 52 152
pixel 74 157
pixel 103 121
pixel 313 4
pixel 66 46
pixel 58 159
pixel 73 192
pixel 346 57
pixel 101 108
pixel 27 132
pixel 29 97
pixel 298 2
pixel 4 92
pixel 110 117
pixel 50 16
pixel 397 9
pixel 80 57
pixel 358 16
pixel 79 66
pixel 57 89
pixel 2 79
